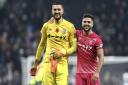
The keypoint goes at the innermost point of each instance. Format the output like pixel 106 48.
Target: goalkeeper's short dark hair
pixel 56 2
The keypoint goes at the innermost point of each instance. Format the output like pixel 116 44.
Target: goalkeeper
pixel 58 40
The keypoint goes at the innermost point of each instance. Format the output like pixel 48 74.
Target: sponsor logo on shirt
pixel 86 47
pixel 57 37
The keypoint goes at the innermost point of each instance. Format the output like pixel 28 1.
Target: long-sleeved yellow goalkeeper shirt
pixel 59 36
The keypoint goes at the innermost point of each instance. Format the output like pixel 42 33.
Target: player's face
pixel 87 24
pixel 57 11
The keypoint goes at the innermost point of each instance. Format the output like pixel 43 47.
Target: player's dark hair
pixel 57 3
pixel 88 16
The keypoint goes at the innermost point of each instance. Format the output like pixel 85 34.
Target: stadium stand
pixel 21 21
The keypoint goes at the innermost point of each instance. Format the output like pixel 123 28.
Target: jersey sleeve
pixel 99 43
pixel 42 43
pixel 72 40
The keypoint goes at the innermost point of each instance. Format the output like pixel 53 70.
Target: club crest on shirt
pixel 64 31
pixel 92 41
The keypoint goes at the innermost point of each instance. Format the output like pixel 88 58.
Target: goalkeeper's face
pixel 57 11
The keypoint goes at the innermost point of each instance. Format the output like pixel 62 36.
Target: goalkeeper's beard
pixel 57 16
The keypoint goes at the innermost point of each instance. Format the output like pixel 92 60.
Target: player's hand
pixel 33 71
pixel 34 68
pixel 51 20
pixel 95 77
pixel 56 54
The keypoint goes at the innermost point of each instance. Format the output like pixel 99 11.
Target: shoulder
pixel 68 22
pixel 98 38
pixel 78 31
pixel 44 27
pixel 46 24
pixel 96 35
pixel 70 27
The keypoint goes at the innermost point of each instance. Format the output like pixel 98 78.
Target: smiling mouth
pixel 86 26
pixel 57 15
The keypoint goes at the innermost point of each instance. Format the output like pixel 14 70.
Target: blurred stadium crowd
pixel 21 21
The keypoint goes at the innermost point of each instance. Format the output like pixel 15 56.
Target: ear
pixel 62 11
pixel 92 24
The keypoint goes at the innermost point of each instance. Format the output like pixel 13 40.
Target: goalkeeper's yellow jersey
pixel 60 36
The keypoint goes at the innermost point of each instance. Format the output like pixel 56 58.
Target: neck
pixel 88 32
pixel 58 21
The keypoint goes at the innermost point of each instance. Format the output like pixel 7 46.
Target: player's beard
pixel 57 16
pixel 87 28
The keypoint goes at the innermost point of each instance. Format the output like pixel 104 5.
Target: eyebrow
pixel 57 8
pixel 87 21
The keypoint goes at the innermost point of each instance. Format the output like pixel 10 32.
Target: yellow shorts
pixel 59 78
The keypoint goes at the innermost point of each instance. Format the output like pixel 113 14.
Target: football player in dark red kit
pixel 90 53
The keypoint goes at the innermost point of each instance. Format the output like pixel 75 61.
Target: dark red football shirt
pixel 87 46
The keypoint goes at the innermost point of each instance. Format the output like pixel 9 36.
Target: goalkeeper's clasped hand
pixel 56 54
